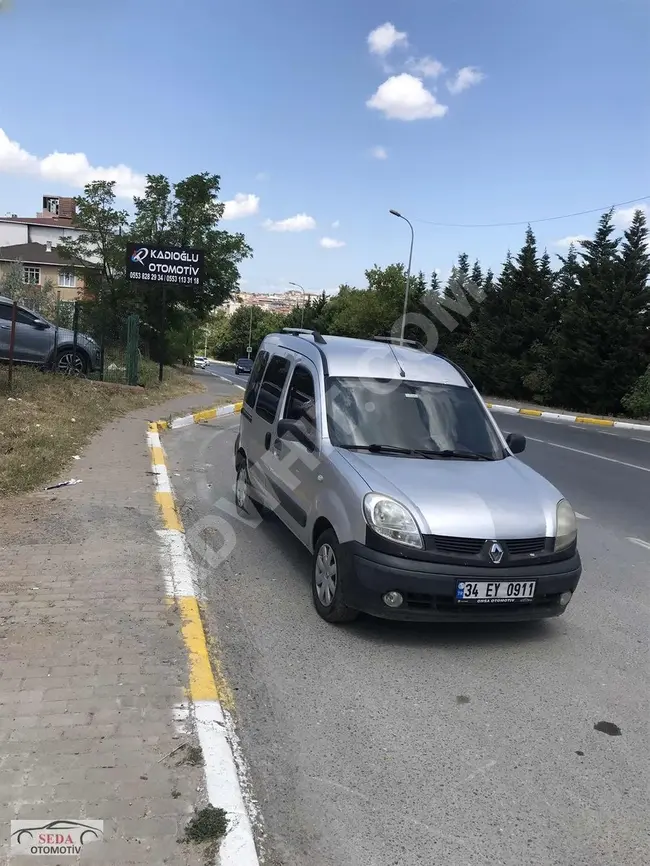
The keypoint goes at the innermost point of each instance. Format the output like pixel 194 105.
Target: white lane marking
pixel 591 454
pixel 636 439
pixel 582 516
pixel 640 542
pixel 224 785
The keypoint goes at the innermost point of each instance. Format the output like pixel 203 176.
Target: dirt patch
pixel 46 420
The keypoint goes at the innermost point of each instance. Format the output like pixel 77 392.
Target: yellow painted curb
pixel 202 683
pixel 204 415
pixel 599 422
pixel 168 508
pixel 535 412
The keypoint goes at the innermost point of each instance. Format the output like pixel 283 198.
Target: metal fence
pixel 81 338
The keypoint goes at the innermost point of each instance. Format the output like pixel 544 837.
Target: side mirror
pixel 41 326
pixel 516 442
pixel 292 429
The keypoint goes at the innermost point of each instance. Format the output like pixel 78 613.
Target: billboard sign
pixel 172 265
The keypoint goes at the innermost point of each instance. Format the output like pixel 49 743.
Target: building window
pixel 32 276
pixel 53 205
pixel 67 280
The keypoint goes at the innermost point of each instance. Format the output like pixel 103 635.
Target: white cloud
pixel 242 205
pixel 384 38
pixel 425 67
pixel 73 169
pixel 404 97
pixel 379 152
pixel 336 224
pixel 466 77
pixel 299 223
pixel 566 242
pixel 331 243
pixel 624 216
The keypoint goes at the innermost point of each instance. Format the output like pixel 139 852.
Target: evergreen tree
pixel 602 347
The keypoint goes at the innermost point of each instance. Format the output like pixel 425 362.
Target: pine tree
pixel 602 346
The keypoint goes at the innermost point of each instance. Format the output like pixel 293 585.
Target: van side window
pixel 271 389
pixel 301 398
pixel 255 378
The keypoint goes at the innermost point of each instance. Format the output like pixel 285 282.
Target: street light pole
pixel 250 334
pixel 408 273
pixel 302 317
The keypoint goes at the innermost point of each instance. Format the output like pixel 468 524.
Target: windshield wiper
pixel 451 454
pixel 379 449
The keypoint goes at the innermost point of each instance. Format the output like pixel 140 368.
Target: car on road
pixel 40 343
pixel 384 461
pixel 200 361
pixel 243 365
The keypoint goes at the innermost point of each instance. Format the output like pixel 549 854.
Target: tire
pixel 70 364
pixel 326 584
pixel 245 504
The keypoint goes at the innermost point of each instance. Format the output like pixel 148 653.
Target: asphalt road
pixel 382 744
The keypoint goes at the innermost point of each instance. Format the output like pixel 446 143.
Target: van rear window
pixel 255 378
pixel 271 390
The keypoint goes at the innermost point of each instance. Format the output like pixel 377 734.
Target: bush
pixel 637 401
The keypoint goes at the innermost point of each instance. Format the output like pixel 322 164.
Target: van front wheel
pixel 328 573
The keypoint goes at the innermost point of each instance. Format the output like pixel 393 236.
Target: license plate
pixel 494 591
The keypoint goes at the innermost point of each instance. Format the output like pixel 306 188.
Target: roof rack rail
pixel 297 332
pixel 412 344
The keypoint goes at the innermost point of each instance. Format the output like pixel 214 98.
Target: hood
pixel 498 499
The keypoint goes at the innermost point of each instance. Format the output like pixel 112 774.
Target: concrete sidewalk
pixel 92 665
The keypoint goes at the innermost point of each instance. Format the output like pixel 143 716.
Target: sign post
pixel 181 267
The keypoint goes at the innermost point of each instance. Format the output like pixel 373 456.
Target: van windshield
pixel 422 418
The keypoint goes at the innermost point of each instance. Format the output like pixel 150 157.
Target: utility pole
pixel 250 335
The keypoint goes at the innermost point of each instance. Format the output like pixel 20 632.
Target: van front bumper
pixel 429 589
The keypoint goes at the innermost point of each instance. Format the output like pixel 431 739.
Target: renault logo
pixel 496 552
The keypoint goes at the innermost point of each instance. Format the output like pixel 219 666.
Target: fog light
pixel 565 598
pixel 393 599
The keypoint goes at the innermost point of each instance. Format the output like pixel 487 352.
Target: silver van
pixel 385 462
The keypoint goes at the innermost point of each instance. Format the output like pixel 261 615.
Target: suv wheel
pixel 71 364
pixel 328 573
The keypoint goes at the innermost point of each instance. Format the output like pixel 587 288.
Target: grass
pixel 208 824
pixel 47 419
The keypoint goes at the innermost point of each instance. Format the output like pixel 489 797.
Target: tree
pixel 602 345
pixel 183 214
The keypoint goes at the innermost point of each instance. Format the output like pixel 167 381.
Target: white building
pixel 54 222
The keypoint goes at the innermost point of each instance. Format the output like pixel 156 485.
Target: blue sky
pixel 289 101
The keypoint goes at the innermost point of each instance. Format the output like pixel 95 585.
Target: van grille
pixel 465 547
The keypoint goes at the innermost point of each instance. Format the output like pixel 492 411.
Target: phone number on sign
pixel 164 278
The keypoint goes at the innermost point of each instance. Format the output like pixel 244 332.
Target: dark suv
pixel 41 343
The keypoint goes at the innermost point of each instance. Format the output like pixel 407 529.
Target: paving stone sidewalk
pixel 92 666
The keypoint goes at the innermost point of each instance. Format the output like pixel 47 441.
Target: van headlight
pixel 566 530
pixel 391 519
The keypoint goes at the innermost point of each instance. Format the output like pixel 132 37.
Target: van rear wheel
pixel 328 574
pixel 244 501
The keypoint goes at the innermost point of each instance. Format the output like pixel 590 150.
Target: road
pixel 383 744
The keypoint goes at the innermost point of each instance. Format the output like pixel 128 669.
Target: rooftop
pixel 36 254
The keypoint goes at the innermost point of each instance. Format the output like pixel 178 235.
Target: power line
pixel 530 222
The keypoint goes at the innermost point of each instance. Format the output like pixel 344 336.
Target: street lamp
pixel 250 334
pixel 298 286
pixel 408 272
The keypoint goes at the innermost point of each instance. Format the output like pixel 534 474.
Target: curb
pixel 572 419
pixel 208 694
pixel 197 417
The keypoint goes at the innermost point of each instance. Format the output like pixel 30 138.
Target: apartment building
pixel 40 265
